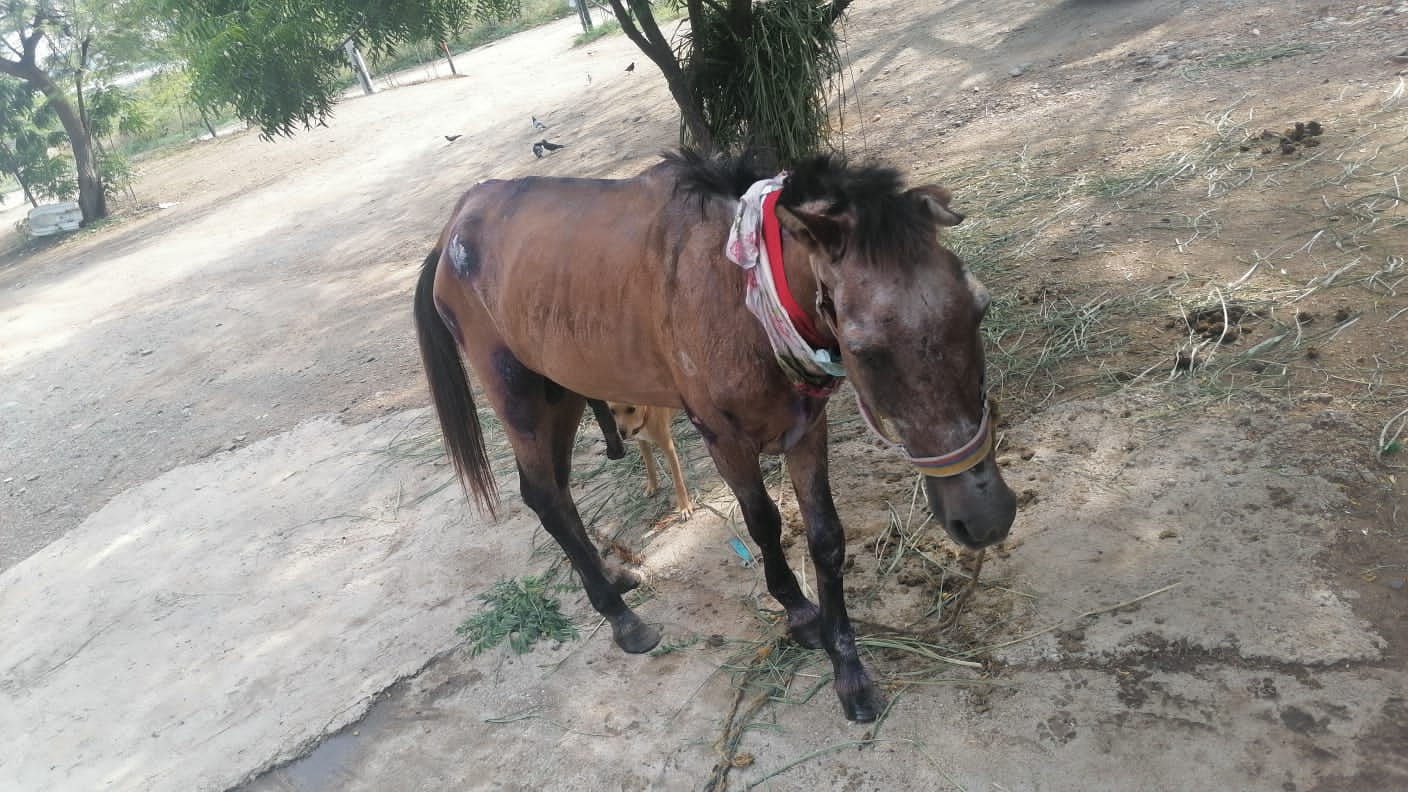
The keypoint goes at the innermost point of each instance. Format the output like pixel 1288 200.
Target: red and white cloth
pixel 817 372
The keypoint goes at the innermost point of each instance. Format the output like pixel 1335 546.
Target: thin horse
pixel 741 298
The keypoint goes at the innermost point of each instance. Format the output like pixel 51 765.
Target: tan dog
pixel 651 426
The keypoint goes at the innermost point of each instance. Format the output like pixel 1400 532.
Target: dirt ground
pixel 234 559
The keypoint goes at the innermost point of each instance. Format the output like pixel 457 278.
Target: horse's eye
pixel 630 411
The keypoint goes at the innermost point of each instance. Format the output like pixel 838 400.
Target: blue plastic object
pixel 742 550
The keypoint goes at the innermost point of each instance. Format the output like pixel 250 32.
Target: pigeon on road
pixel 543 146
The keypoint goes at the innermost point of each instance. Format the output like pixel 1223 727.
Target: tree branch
pixel 646 19
pixel 740 18
pixel 629 27
pixel 36 32
pixel 11 47
pixel 838 7
pixel 653 44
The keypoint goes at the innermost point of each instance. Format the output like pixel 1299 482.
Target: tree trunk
pixel 449 58
pixel 360 66
pixel 205 119
pixel 656 47
pixel 90 185
pixel 836 9
pixel 78 84
pixel 584 13
pixel 691 115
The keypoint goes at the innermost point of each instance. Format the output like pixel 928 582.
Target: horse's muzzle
pixel 976 507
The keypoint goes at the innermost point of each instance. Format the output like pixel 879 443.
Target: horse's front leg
pixel 604 419
pixel 737 463
pixel 826 539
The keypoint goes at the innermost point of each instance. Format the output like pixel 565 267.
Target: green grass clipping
pixel 520 611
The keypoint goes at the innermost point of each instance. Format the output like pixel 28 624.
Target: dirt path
pixel 226 533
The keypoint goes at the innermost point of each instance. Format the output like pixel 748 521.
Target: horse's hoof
pixel 860 705
pixel 634 635
pixel 623 580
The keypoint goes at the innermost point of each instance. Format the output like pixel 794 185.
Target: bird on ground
pixel 632 67
pixel 538 124
pixel 543 146
pixel 453 138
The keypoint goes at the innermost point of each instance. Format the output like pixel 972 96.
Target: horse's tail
pixel 451 394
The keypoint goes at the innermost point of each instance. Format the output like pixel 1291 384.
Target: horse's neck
pixel 801 280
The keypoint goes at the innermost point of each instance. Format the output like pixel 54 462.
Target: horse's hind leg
pixel 566 418
pixel 540 420
pixel 826 541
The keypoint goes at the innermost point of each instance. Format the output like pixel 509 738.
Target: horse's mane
pixel 728 177
pixel 890 225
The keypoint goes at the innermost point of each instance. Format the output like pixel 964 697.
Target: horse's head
pixel 905 311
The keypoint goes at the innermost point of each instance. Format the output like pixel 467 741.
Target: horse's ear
pixel 827 232
pixel 935 201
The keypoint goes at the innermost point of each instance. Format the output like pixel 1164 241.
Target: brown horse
pixel 555 290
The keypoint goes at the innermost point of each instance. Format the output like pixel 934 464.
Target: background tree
pixel 44 22
pixel 278 64
pixel 28 130
pixel 59 48
pixel 111 111
pixel 167 100
pixel 746 74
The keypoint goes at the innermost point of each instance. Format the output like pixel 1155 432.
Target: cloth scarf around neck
pixel 813 371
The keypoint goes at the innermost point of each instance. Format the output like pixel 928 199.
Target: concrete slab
pixel 224 616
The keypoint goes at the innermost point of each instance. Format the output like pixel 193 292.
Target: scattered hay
pixel 1242 59
pixel 763 673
